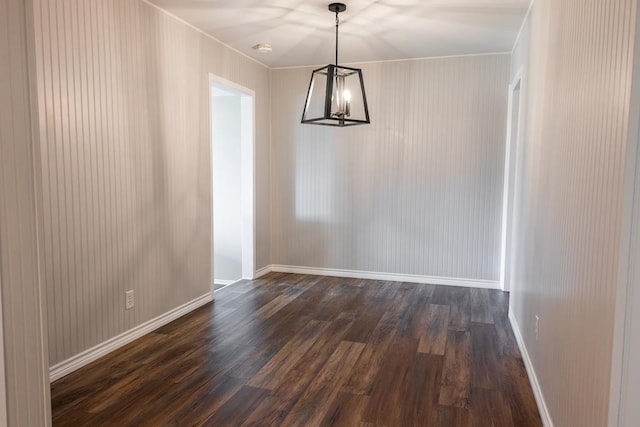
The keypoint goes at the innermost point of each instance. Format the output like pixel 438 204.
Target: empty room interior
pixel 303 213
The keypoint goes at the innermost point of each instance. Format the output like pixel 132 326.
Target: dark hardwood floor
pixel 294 350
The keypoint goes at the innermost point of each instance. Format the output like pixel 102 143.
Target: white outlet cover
pixel 129 302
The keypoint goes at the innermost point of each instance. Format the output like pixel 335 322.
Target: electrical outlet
pixel 129 299
pixel 536 326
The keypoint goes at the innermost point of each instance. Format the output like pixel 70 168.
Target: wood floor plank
pixel 456 375
pixel 318 398
pixel 296 350
pixel 485 357
pixel 433 335
pixel 390 387
pixel 340 297
pixel 283 299
pixel 410 322
pixel 458 299
pixel 480 306
pixel 289 388
pixel 278 329
pixel 190 404
pixel 186 323
pixel 270 412
pixel 273 335
pixel 185 363
pixel 451 416
pixel 420 405
pixel 364 325
pixel 230 300
pixel 271 374
pixel 111 367
pixel 346 410
pixel 237 409
pixel 517 389
pixel 307 368
pixel 366 368
pixel 499 302
pixel 124 413
pixel 489 408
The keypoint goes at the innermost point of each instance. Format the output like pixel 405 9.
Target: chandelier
pixel 336 95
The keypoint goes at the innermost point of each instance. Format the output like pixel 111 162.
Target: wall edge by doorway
pixel 511 172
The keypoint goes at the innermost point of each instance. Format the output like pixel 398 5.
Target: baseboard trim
pixel 533 379
pixel 230 282
pixel 76 362
pixel 224 282
pixel 412 278
pixel 263 271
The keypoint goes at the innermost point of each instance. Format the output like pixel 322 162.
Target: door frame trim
pixel 248 173
pixel 512 150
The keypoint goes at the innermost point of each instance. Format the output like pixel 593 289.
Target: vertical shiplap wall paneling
pixel 577 58
pixel 416 192
pixel 24 352
pixel 123 93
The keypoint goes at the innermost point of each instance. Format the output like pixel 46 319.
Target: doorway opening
pixel 511 182
pixel 232 174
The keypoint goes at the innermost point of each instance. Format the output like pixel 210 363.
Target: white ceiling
pixel 302 32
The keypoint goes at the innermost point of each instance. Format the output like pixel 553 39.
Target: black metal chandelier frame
pixel 334 75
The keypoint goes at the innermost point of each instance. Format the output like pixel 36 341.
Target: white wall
pixel 124 103
pixel 577 64
pixel 227 189
pixel 24 352
pixel 419 191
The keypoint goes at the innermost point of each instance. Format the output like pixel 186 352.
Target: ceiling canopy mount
pixel 337 7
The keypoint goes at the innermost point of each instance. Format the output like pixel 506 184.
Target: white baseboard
pixel 226 283
pixel 533 379
pixel 264 270
pixel 76 362
pixel 356 274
